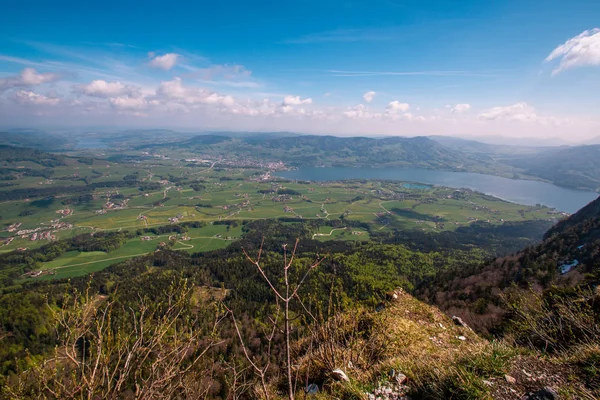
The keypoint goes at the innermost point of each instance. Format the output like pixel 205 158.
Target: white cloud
pixel 369 96
pixel 412 117
pixel 175 91
pixel 31 77
pixel 166 61
pixel 295 101
pixel 25 97
pixel 395 107
pixel 208 97
pixel 460 108
pixel 521 112
pixel 215 98
pixel 394 111
pixel 581 50
pixel 128 103
pixel 360 111
pixel 101 88
pixel 27 77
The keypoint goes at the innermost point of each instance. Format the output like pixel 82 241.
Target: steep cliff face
pixel 568 257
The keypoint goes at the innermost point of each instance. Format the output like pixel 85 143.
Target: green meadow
pixel 169 189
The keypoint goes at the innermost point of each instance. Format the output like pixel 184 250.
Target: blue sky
pixel 342 67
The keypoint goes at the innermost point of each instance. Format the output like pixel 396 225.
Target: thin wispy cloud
pixel 21 61
pixel 233 84
pixel 235 75
pixel 73 61
pixel 112 44
pixel 346 73
pixel 64 51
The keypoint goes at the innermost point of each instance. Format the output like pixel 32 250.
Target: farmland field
pixel 145 198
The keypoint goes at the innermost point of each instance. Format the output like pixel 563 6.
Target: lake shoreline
pixel 518 191
pixel 521 177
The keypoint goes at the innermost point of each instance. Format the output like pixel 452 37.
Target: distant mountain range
pixel 312 150
pixel 577 167
pixel 520 141
pixel 573 167
pixel 569 166
pixel 33 138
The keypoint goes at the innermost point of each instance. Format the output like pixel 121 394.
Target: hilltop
pixel 408 348
pixel 311 150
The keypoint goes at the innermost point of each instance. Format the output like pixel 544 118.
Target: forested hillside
pixel 32 138
pixel 308 150
pixel 568 257
pixel 577 167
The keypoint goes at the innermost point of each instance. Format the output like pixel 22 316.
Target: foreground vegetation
pixel 213 325
pixel 181 340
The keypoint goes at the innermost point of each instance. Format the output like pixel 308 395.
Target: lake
pixel 514 190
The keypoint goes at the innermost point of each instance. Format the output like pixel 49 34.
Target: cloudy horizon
pixel 419 72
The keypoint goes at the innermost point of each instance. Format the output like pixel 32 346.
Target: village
pixel 44 232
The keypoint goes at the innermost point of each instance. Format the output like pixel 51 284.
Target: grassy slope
pixel 423 343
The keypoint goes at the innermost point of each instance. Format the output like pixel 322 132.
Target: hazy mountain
pixel 33 138
pixel 595 140
pixel 479 147
pixel 314 150
pixel 520 141
pixel 577 167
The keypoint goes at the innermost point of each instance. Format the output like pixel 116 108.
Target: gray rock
pixel 339 375
pixel 312 389
pixel 458 321
pixel 400 378
pixel 542 394
pixel 510 379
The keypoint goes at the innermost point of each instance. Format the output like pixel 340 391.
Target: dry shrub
pixel 354 341
pixel 554 321
pixel 150 356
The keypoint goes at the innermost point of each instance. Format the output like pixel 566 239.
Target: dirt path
pixel 97 261
pixel 189 246
pixel 328 234
pixel 385 209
